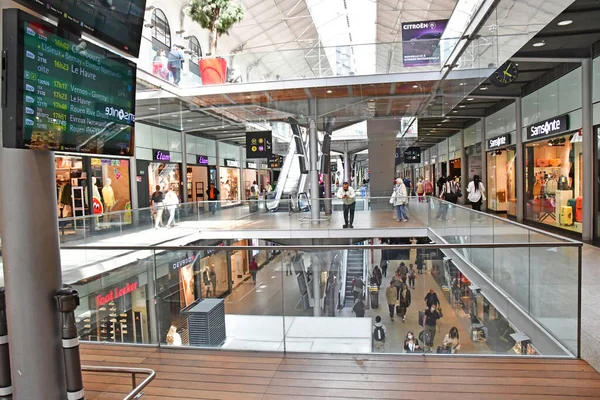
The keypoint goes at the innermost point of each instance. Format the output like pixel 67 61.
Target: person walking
pixel 440 184
pixel 404 301
pixel 253 269
pixel 431 299
pixel 451 341
pixel 384 267
pixel 391 295
pixel 428 187
pixel 357 286
pixel 430 326
pixel 213 198
pixel 377 275
pixel 450 195
pixel 403 272
pixel 420 262
pixel 411 344
pixel 288 264
pixel 411 276
pixel 172 203
pixel 420 190
pixel 476 192
pixel 400 200
pixel 158 205
pixel 212 274
pixel 348 196
pixel 359 307
pixel 379 331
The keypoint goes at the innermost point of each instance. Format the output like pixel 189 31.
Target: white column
pixel 184 181
pixel 464 171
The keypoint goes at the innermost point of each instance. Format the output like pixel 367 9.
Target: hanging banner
pixel 421 42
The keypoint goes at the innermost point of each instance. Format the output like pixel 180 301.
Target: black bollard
pixel 67 301
pixel 5 381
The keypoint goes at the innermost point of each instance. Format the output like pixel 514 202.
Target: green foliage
pixel 219 15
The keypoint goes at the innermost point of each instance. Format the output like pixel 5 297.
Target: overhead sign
pixel 275 161
pixel 259 144
pixel 118 292
pixel 231 163
pixel 499 141
pixel 188 259
pixel 548 127
pixel 421 42
pixel 162 155
pixel 202 160
pixel 412 155
pixel 251 165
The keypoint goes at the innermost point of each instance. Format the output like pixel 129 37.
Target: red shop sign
pixel 115 293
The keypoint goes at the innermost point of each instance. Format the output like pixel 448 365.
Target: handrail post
pixel 5 380
pixel 67 301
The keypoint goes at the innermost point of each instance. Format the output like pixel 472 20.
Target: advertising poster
pixel 421 42
pixel 259 144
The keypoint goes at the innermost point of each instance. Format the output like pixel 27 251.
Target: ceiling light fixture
pixel 470 99
pixel 189 120
pixel 415 86
pixel 463 84
pixel 454 111
pixel 483 88
pixel 329 91
pixel 174 115
pixel 565 22
pixel 461 106
pixel 152 108
pixel 539 44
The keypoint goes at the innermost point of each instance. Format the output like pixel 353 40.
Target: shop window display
pixel 165 175
pixel 554 170
pixel 501 190
pixel 69 190
pixel 112 177
pixel 230 181
pixel 214 275
pixel 239 264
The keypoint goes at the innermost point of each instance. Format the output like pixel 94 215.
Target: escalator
pixel 355 267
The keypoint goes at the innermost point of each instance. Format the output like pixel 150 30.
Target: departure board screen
pixel 76 97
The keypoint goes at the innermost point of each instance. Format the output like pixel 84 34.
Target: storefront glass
pixel 166 175
pixel 214 272
pixel 239 264
pixel 501 189
pixel 230 183
pixel 69 186
pixel 250 176
pixel 454 171
pixel 112 177
pixel 197 181
pixel 553 176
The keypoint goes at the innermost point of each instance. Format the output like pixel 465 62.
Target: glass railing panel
pixel 482 231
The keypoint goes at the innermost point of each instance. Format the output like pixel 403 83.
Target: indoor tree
pixel 218 16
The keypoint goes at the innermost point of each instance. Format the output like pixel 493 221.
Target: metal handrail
pixel 137 389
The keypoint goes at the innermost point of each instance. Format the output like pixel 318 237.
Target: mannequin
pixel 173 338
pixel 109 196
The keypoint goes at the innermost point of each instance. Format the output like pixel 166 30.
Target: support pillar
pixel 241 182
pixel 184 180
pixel 520 161
pixel 589 163
pixel 484 175
pixel 464 171
pixel 217 167
pixel 315 210
pixel 347 168
pixel 32 273
pixel 133 185
pixel 151 295
pixel 316 281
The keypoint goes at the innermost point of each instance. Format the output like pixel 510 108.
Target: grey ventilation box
pixel 205 323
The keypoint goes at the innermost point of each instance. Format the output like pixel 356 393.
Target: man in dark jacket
pixel 440 184
pixel 431 299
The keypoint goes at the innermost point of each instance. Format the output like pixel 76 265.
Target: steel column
pixel 464 172
pixel 32 273
pixel 587 130
pixel 520 161
pixel 184 180
pixel 484 178
pixel 315 210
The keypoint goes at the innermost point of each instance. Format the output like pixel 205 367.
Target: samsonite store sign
pixel 548 127
pixel 498 141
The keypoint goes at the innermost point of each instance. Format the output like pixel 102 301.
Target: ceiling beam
pixel 548 59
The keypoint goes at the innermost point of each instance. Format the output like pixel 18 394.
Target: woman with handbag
pixel 451 342
pixel 476 192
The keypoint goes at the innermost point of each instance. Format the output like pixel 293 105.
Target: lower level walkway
pixel 189 374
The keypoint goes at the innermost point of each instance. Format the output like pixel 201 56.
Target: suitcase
pixel 572 203
pixel 579 209
pixel 566 215
pixel 421 317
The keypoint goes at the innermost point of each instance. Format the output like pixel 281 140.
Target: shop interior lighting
pixel 454 111
pixel 152 108
pixel 462 106
pixel 415 86
pixel 565 22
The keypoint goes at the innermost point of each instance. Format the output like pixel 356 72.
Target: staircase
pixel 355 267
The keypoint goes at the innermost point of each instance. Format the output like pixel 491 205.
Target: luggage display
pixel 566 215
pixel 572 203
pixel 579 209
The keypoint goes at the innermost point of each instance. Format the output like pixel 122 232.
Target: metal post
pixel 347 167
pixel 5 381
pixel 464 171
pixel 133 183
pixel 241 187
pixel 587 131
pixel 316 281
pixel 484 175
pixel 327 184
pixel 315 210
pixel 520 161
pixel 184 180
pixel 32 274
pixel 67 301
pixel 151 288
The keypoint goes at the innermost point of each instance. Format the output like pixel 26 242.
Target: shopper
pixel 359 307
pixel 213 198
pixel 430 326
pixel 172 203
pixel 377 276
pixel 157 203
pixel 440 184
pixel 420 190
pixel 213 279
pixel 253 269
pixel 347 194
pixel 379 331
pixel 411 276
pixel 431 299
pixel 451 341
pixel 288 264
pixel 176 61
pixel 357 286
pixel 391 295
pixel 400 200
pixel 476 192
pixel 407 183
pixel 403 301
pixel 384 267
pixel 450 195
pixel 419 261
pixel 403 272
pixel 428 187
pixel 411 344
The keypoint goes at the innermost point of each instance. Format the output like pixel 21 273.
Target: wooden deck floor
pixel 201 374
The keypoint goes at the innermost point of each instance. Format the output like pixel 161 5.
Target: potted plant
pixel 218 16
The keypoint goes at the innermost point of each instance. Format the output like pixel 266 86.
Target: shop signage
pixel 202 160
pixel 275 161
pixel 103 299
pixel 259 144
pixel 251 165
pixel 162 155
pixel 264 166
pixel 499 141
pixel 183 262
pixel 231 163
pixel 548 127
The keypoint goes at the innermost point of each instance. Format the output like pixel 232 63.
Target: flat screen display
pixel 116 22
pixel 65 94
